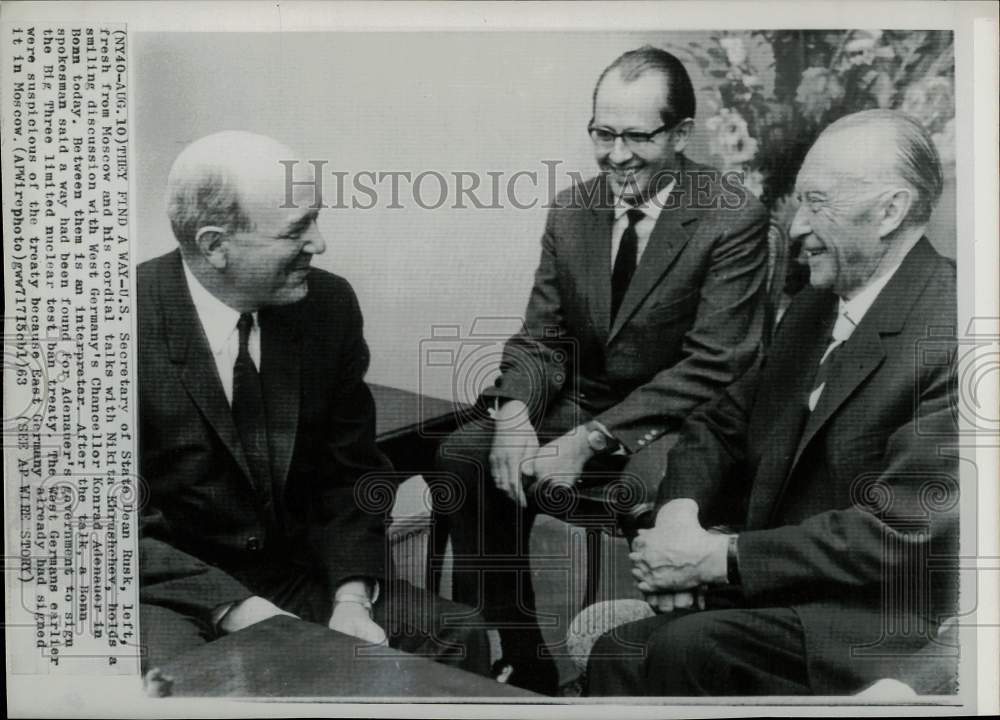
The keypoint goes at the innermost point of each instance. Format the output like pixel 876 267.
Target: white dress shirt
pixel 644 228
pixel 218 320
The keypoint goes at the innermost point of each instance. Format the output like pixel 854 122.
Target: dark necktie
pixel 248 410
pixel 625 261
pixel 823 370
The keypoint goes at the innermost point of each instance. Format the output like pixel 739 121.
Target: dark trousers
pixel 415 621
pixel 490 533
pixel 166 633
pixel 756 651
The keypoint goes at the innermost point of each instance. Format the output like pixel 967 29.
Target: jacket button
pixel 253 544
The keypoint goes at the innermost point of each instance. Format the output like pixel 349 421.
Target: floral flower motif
pixel 753 180
pixel 861 50
pixel 819 90
pixel 730 138
pixel 944 141
pixel 931 101
pixel 736 51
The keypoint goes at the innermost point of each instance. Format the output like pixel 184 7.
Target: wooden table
pixel 283 657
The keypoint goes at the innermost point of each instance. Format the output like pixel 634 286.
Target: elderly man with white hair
pixel 832 464
pixel 257 435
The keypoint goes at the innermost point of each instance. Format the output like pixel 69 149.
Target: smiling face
pixel 635 105
pixel 268 263
pixel 839 219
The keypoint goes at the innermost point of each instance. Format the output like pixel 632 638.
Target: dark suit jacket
pixel 850 511
pixel 320 415
pixel 690 323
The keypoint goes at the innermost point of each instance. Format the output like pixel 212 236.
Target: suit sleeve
pixel 533 369
pixel 721 344
pixel 348 533
pixel 178 581
pixel 708 463
pixel 899 519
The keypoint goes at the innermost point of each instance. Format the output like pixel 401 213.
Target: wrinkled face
pixel 622 106
pixel 837 222
pixel 269 264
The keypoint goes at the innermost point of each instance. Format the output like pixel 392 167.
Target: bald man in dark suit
pixel 257 430
pixel 834 462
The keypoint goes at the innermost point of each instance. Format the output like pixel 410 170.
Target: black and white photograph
pixel 500 368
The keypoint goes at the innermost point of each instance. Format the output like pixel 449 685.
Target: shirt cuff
pixel 219 613
pixel 733 561
pixel 372 587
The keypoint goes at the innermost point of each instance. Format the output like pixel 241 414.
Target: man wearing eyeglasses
pixel 648 300
pixel 839 454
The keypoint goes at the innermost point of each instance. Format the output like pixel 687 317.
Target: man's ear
pixel 682 133
pixel 213 245
pixel 894 211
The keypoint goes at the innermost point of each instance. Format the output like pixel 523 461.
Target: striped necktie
pixel 842 329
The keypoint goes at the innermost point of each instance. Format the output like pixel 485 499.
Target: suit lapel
pixel 281 352
pixel 596 260
pixel 788 393
pixel 670 234
pixel 863 352
pixel 854 362
pixel 188 347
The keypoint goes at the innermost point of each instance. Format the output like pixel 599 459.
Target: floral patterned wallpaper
pixel 771 92
pixel 776 90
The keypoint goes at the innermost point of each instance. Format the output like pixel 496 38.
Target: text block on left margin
pixel 71 488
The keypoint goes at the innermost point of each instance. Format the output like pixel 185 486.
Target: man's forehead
pixel 816 177
pixel 646 92
pixel 282 213
pixel 828 165
pixel 269 189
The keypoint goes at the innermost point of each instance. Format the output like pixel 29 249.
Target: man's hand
pixel 353 619
pixel 514 441
pixel 561 461
pixel 678 553
pixel 249 612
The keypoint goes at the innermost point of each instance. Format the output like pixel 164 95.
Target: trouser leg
pixel 757 651
pixel 425 625
pixel 167 634
pixel 490 541
pixel 414 620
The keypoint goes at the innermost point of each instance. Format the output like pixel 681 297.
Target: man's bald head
pixel 866 190
pixel 214 179
pixel 883 148
pixel 245 239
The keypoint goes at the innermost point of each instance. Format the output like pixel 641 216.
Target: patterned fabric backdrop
pixel 773 91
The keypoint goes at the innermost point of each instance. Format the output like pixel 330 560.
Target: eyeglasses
pixel 633 139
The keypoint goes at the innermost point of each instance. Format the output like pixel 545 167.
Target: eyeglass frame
pixel 647 137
